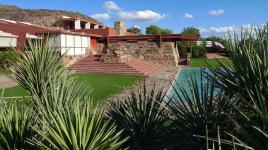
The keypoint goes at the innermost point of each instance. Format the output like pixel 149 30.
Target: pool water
pixel 182 80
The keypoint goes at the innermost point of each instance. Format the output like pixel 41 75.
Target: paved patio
pixel 215 55
pixel 5 82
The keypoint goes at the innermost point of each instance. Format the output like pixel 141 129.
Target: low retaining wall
pixel 150 51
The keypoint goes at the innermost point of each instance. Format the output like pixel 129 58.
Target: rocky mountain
pixel 42 17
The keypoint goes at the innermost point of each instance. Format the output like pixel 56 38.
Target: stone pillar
pixel 87 26
pixel 120 27
pixel 77 24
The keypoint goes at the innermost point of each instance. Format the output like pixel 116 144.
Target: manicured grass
pixel 201 62
pixel 102 86
pixel 16 91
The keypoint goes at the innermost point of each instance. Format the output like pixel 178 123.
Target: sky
pixel 212 17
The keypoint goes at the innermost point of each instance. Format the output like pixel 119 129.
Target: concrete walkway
pixel 215 55
pixel 5 82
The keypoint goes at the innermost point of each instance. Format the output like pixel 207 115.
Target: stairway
pixel 92 64
pixel 146 67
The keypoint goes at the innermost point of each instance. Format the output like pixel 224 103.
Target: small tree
pixel 190 30
pixel 153 29
pixel 166 31
pixel 134 30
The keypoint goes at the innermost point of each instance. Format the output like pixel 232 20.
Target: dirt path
pixel 5 82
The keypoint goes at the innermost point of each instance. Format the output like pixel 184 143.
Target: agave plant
pixel 16 127
pixel 141 115
pixel 249 52
pixel 199 105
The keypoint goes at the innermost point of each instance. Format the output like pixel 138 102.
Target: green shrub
pixel 199 50
pixel 7 59
pixel 141 116
pixel 183 48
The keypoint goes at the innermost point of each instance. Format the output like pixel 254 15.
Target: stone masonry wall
pixel 150 51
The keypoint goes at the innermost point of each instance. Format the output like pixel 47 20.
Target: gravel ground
pixel 162 79
pixel 5 82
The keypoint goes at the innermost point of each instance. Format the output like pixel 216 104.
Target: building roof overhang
pixel 7 35
pixel 172 37
pixel 67 32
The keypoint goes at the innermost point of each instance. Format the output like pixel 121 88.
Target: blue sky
pixel 213 17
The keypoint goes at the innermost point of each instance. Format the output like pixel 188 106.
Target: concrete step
pixel 92 64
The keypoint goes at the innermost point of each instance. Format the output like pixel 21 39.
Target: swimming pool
pixel 182 81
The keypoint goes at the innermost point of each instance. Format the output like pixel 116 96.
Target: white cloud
pixel 101 16
pixel 188 16
pixel 203 30
pixel 216 12
pixel 136 26
pixel 110 6
pixel 145 16
pixel 224 29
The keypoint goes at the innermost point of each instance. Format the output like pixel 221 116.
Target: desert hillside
pixel 42 17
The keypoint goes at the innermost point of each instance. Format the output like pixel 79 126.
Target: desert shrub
pixel 199 50
pixel 141 116
pixel 7 59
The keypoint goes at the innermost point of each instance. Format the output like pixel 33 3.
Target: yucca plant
pixel 247 78
pixel 62 122
pixel 252 123
pixel 16 127
pixel 248 54
pixel 38 68
pixel 196 106
pixel 141 115
pixel 78 129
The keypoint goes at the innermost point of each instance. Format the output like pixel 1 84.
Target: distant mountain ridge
pixel 41 17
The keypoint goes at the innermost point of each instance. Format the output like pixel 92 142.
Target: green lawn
pixel 201 62
pixel 102 86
